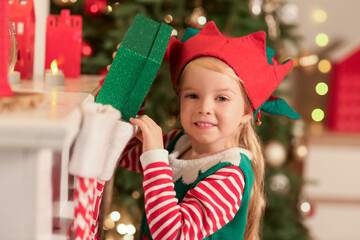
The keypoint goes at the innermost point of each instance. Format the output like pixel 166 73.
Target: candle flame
pixel 54 67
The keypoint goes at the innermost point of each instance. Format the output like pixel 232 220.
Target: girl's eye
pixel 222 99
pixel 191 96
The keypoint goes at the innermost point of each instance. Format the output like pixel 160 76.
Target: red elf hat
pixel 247 56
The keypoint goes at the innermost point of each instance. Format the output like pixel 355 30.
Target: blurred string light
pixel 255 7
pixel 301 151
pixel 122 229
pixel 319 16
pixel 174 32
pixel 202 20
pixel 168 18
pixel 130 229
pixel 317 115
pixel 135 194
pixel 322 39
pixel 256 10
pixel 108 9
pixel 126 229
pixel 128 237
pixel 108 224
pixel 324 66
pixel 321 88
pixel 309 60
pixel 305 207
pixel 115 216
pixel 289 14
pixel 197 18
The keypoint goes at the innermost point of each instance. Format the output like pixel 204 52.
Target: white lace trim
pixel 189 169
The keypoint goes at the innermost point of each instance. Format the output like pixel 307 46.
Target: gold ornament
pixel 280 184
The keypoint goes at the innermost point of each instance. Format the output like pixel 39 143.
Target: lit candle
pixel 14 77
pixel 54 77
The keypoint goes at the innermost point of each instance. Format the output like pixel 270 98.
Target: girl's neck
pixel 200 150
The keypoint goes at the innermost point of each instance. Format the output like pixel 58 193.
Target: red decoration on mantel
pixel 22 14
pixel 95 7
pixel 63 43
pixel 344 95
pixel 5 90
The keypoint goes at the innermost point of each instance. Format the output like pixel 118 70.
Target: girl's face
pixel 211 106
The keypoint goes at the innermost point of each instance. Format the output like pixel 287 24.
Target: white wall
pixel 342 24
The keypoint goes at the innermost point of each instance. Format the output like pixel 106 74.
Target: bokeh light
pixel 168 18
pixel 324 66
pixel 309 60
pixel 305 207
pixel 321 88
pixel 130 229
pixel 322 39
pixel 128 237
pixel 202 20
pixel 108 224
pixel 256 10
pixel 115 216
pixel 317 115
pixel 319 16
pixel 122 229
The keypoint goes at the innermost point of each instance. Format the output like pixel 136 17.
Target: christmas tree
pixel 105 24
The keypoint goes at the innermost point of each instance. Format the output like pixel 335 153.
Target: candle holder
pixel 54 76
pixel 14 77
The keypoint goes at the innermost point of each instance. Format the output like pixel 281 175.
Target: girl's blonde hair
pixel 247 138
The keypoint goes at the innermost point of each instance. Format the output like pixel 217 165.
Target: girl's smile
pixel 204 125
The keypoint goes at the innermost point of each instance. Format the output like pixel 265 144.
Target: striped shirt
pixel 205 209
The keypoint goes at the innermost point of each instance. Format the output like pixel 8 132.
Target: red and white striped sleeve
pixel 129 159
pixel 205 209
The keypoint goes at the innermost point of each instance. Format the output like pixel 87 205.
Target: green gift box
pixel 135 66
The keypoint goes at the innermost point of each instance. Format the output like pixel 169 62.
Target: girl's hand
pixel 150 133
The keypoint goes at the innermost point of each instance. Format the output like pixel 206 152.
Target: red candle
pixel 5 90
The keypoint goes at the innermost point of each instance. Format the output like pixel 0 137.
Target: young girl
pixel 208 180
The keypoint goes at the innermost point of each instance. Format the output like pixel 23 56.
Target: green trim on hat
pixel 270 54
pixel 189 32
pixel 277 107
pixel 280 107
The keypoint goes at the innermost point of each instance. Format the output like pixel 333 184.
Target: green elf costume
pixel 208 198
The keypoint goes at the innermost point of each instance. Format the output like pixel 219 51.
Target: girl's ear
pixel 246 117
pixel 248 114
